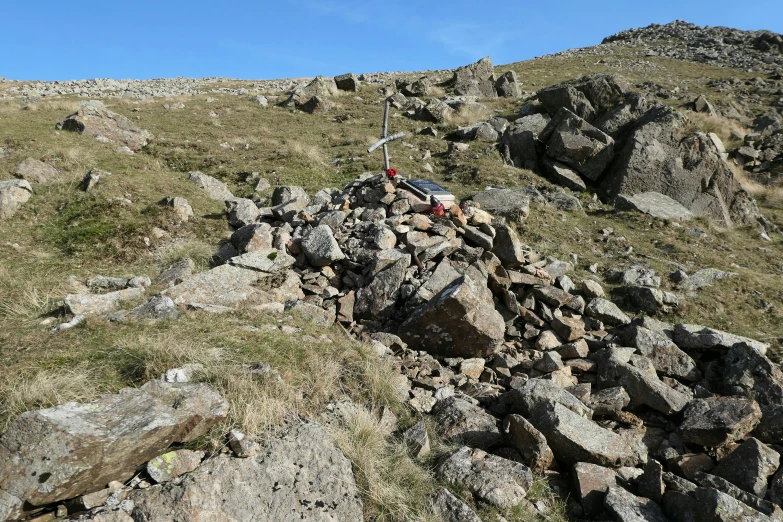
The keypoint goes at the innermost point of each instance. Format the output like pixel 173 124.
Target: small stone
pixel 417 440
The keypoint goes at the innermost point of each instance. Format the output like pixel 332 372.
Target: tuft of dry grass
pixel 44 389
pixel 470 115
pixel 723 127
pixel 394 487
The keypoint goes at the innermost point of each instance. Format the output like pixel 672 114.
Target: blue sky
pixel 56 40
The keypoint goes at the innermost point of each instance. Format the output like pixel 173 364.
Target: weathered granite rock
pixel 417 440
pixel 460 320
pixel 530 443
pixel 654 204
pixel 461 421
pixel 574 438
pixel 94 119
pixel 320 246
pixel 627 507
pixel 536 392
pixel 696 337
pixel 497 481
pixel 301 476
pixel 97 304
pixel 36 171
pixel 591 483
pixel 452 509
pixel 173 464
pixel 573 141
pixel 667 358
pixel 718 420
pixel 61 452
pixel 751 374
pixel 644 387
pixel 606 312
pixel 749 466
pixel 514 205
pixel 214 188
pixel 13 194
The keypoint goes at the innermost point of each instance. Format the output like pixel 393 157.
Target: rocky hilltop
pixel 220 307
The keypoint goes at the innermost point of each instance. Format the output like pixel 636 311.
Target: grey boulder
pixel 13 194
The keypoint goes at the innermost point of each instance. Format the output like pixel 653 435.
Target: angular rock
pixel 716 506
pixel 61 452
pixel 417 440
pixel 182 208
pixel 591 483
pixel 643 387
pixel 303 476
pixel 214 188
pixel 666 357
pixel 696 337
pixel 317 105
pixel 97 304
pixel 751 374
pixel 320 246
pixel 497 481
pixel 536 392
pixel 177 272
pixel 173 464
pixel 228 285
pixel 627 507
pixel 723 485
pixel 311 313
pixel 530 443
pixel 718 420
pixel 242 212
pixel 574 438
pixel 459 321
pixel 347 82
pixel 452 509
pixel 377 300
pixel 770 429
pixel 609 401
pixel 458 420
pixel 94 119
pixel 654 204
pixel 13 194
pixel 514 205
pixel 36 171
pixel 573 141
pixel 158 308
pixel 564 175
pixel 606 312
pixel 749 466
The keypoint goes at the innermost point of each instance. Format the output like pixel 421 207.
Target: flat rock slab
pixel 627 507
pixel 214 188
pixel 36 171
pixel 61 452
pixel 94 119
pixel 655 204
pixel 96 304
pixel 302 476
pixel 228 285
pixel 697 337
pixel 511 204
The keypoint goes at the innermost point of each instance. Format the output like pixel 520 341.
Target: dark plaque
pixel 424 188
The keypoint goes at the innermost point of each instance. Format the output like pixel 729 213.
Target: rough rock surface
pixel 13 194
pixel 301 476
pixel 655 204
pixel 36 171
pixel 94 119
pixel 61 452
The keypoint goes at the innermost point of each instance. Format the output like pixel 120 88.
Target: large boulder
pixel 574 438
pixel 94 119
pixel 320 86
pixel 513 205
pixel 644 387
pixel 571 140
pixel 301 476
pixel 627 507
pixel 718 420
pixel 749 466
pixel 751 374
pixel 36 171
pixel 588 97
pixel 214 188
pixel 459 321
pixel 61 452
pixel 13 194
pixel 476 79
pixel 659 155
pixel 696 337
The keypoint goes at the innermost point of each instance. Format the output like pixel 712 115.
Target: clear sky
pixel 78 39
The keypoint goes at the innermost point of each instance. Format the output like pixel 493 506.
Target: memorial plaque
pixel 424 188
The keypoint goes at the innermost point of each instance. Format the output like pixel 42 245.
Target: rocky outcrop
pixel 94 119
pixel 300 476
pixel 61 452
